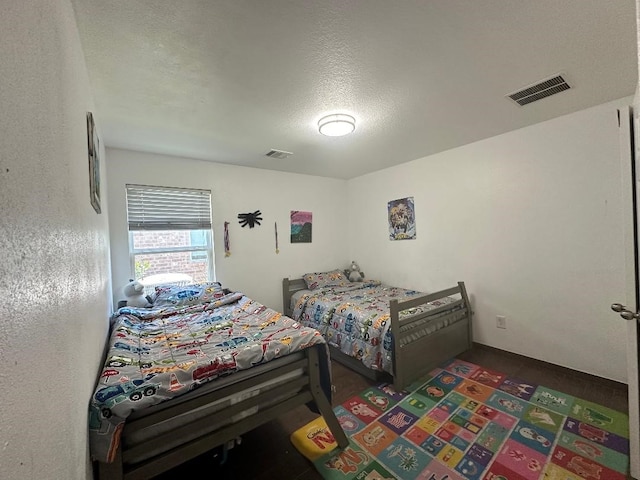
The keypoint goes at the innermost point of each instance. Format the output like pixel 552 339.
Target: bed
pixel 198 369
pixel 381 330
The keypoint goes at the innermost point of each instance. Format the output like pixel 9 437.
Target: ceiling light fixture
pixel 336 125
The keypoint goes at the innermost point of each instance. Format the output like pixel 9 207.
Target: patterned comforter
pixel 356 319
pixel 157 354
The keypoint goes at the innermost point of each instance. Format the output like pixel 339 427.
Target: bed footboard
pixel 422 341
pixel 306 388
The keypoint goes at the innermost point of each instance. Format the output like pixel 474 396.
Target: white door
pixel 629 309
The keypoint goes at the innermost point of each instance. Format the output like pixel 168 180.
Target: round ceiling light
pixel 336 125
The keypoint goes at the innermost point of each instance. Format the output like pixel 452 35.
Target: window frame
pixel 208 248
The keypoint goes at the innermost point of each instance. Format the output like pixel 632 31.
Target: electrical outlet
pixel 501 321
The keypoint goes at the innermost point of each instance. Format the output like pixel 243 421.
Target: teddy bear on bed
pixel 355 275
pixel 134 295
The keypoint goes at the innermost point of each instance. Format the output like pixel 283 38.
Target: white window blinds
pixel 168 208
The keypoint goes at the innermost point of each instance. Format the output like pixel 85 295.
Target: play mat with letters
pixel 467 422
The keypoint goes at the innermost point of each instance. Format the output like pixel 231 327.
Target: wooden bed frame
pixel 412 357
pixel 304 389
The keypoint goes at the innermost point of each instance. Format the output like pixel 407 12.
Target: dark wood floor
pixel 266 453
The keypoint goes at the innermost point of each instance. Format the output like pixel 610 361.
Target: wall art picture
pixel 300 226
pixel 94 163
pixel 402 219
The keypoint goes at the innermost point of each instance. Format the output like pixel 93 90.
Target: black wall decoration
pixel 250 219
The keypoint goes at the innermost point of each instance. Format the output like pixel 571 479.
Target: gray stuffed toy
pixel 355 275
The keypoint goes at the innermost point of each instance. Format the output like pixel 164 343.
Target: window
pixel 198 239
pixel 170 236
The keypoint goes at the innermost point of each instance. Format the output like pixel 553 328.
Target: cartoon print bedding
pixel 355 318
pixel 159 353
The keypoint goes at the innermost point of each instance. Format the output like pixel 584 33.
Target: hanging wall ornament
pixel 276 230
pixel 227 249
pixel 250 219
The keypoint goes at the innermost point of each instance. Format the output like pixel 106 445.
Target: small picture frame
pixel 93 143
pixel 402 219
pixel 301 226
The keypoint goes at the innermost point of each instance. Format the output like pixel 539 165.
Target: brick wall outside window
pixel 191 263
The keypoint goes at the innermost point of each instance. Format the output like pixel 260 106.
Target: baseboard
pixel 605 382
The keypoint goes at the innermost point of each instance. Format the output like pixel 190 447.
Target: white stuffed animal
pixel 134 295
pixel 355 275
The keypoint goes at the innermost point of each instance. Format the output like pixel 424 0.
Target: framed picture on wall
pixel 402 219
pixel 94 163
pixel 301 223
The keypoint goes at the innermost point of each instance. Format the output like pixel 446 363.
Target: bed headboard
pixel 289 287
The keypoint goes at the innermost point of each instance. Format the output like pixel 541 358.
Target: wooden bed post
pixel 289 287
pixel 285 297
pixel 463 292
pixel 398 370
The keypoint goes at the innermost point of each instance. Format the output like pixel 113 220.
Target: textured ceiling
pixel 227 81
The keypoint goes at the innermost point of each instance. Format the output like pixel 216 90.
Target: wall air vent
pixel 278 154
pixel 540 90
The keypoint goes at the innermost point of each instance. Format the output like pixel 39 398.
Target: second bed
pixel 380 329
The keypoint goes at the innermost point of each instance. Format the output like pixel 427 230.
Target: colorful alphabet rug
pixel 467 422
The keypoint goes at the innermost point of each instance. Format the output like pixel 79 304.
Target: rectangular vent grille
pixel 278 154
pixel 540 90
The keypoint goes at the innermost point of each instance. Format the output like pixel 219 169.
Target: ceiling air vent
pixel 546 88
pixel 278 154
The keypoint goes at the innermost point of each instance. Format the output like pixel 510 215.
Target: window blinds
pixel 167 208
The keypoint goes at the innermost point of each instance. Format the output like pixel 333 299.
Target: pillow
pixel 184 295
pixel 334 278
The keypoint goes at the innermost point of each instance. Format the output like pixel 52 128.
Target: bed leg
pixel 322 403
pixel 465 297
pixel 398 368
pixel 111 471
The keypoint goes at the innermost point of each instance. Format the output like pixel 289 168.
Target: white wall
pixel 530 220
pixel 253 267
pixel 54 273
